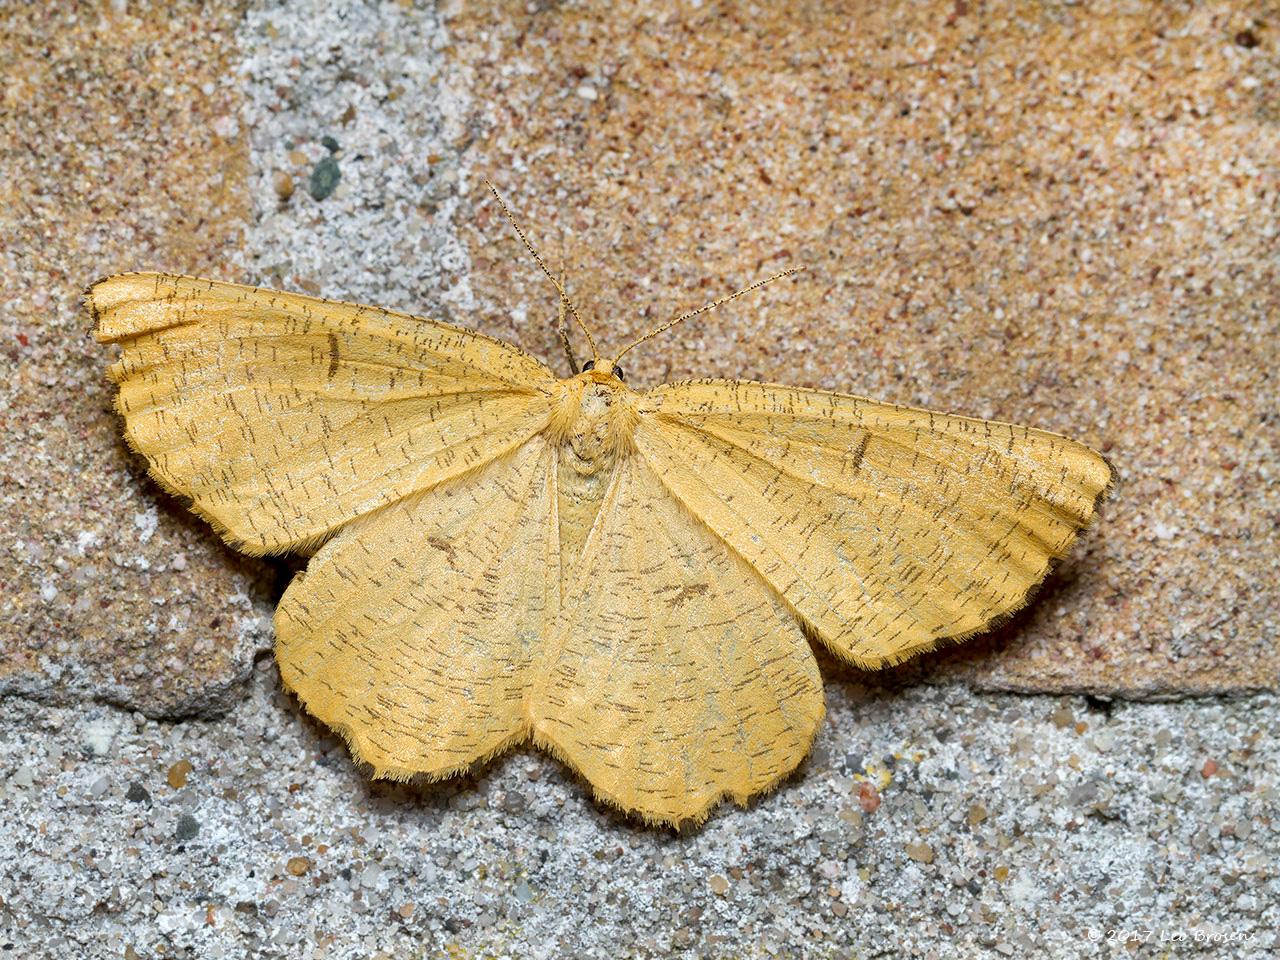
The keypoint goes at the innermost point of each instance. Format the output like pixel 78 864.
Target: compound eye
pixel 589 365
pixel 617 372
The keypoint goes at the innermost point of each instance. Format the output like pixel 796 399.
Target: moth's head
pixel 596 372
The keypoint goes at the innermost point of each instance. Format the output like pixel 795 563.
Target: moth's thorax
pixel 593 420
pixel 592 423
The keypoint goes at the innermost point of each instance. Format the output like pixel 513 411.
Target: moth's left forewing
pixel 889 529
pixel 283 417
pixel 133 305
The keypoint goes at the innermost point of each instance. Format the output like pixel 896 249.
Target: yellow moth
pixel 628 579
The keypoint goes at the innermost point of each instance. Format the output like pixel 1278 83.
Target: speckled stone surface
pixel 929 822
pixel 122 148
pixel 1059 215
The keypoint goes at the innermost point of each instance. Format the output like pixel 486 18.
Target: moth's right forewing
pixel 889 529
pixel 284 417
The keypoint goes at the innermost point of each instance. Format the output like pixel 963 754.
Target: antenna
pixel 710 306
pixel 564 296
pixel 562 328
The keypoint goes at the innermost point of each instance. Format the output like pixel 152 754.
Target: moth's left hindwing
pixel 419 632
pixel 283 417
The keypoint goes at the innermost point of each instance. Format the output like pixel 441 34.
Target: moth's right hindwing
pixel 674 676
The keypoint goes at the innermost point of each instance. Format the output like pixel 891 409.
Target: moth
pixel 630 579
